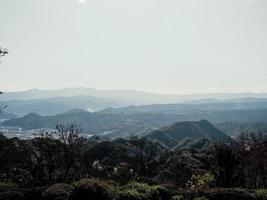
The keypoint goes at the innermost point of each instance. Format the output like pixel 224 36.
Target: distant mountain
pixel 58 105
pixel 201 105
pixel 127 96
pixel 159 115
pixel 52 102
pixel 172 135
pixel 91 123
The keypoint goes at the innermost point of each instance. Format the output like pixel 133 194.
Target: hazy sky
pixel 165 46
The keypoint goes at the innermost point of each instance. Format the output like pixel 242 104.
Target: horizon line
pixel 141 91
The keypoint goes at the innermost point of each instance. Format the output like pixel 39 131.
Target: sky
pixel 162 46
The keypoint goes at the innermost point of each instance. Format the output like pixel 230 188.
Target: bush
pixel 201 198
pixel 231 193
pixel 142 191
pixel 178 197
pixel 34 193
pixel 261 194
pixel 58 191
pixel 93 189
pixel 5 187
pixel 201 182
pixel 11 196
pixel 129 194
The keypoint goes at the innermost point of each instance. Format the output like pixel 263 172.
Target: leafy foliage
pixel 201 183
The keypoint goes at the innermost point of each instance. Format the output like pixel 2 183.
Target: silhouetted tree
pixel 3 52
pixel 46 160
pixel 224 162
pixel 253 155
pixel 2 105
pixel 72 144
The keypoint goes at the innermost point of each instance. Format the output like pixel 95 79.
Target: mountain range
pixel 129 96
pixel 118 124
pixel 118 113
pixel 56 105
pixel 47 103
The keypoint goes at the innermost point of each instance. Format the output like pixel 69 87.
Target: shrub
pixel 5 187
pixel 34 193
pixel 59 191
pixel 201 198
pixel 178 197
pixel 93 189
pixel 231 193
pixel 11 195
pixel 142 191
pixel 261 194
pixel 130 194
pixel 201 182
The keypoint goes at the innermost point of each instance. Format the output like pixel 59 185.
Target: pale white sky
pixel 164 46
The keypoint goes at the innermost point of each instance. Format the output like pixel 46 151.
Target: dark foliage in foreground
pixel 72 167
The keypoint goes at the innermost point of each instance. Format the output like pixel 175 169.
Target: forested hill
pixel 172 135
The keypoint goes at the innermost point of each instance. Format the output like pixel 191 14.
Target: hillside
pixel 197 144
pixel 172 135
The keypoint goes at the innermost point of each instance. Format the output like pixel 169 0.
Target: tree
pixel 253 148
pixel 3 52
pixel 72 143
pixel 46 159
pixel 2 105
pixel 225 164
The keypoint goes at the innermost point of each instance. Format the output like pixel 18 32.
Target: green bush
pixel 59 191
pixel 11 195
pixel 94 189
pixel 99 189
pixel 130 194
pixel 34 193
pixel 261 194
pixel 142 191
pixel 178 197
pixel 230 193
pixel 201 198
pixel 5 187
pixel 200 183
